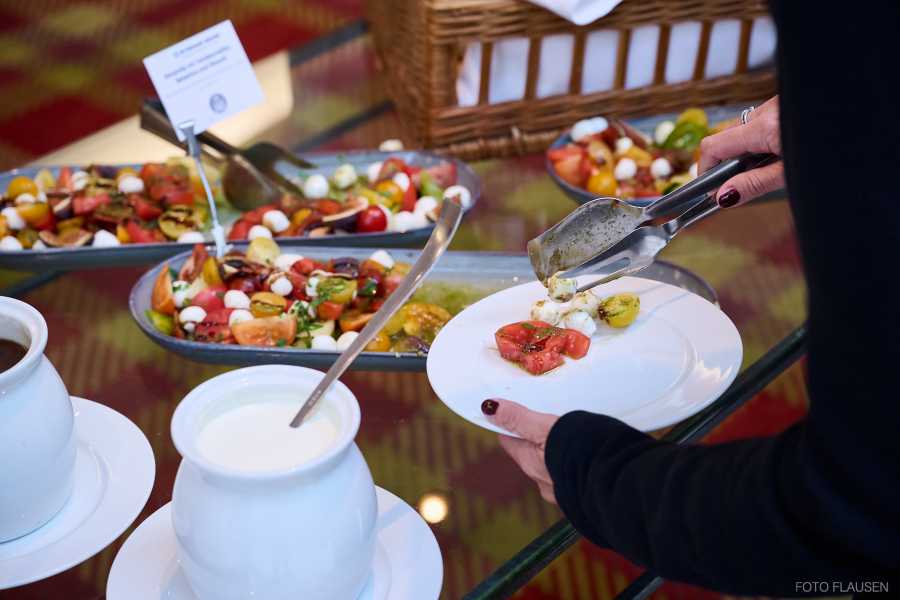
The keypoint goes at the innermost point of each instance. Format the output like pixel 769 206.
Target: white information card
pixel 204 78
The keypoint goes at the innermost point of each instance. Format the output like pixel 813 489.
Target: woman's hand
pixel 528 452
pixel 760 134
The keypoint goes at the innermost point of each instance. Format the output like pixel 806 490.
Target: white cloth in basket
pixel 509 60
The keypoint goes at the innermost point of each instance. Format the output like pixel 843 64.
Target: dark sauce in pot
pixel 10 353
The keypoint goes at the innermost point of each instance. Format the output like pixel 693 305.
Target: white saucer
pixel 407 565
pixel 679 355
pixel 114 472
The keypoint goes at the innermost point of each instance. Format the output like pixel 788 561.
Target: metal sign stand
pixel 193 150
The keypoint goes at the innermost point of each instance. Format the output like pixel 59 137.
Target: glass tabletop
pixel 482 509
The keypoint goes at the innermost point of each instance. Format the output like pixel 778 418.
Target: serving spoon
pixel 444 230
pixel 599 224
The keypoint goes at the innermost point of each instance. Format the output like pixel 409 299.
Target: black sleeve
pixel 820 501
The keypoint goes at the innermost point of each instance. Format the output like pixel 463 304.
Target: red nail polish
pixel 729 198
pixel 489 407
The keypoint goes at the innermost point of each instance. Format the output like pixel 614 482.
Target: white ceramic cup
pixel 303 532
pixel 37 438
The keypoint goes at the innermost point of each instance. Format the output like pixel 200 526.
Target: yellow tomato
pixel 620 310
pixel 391 191
pixel 697 116
pixel 21 185
pixel 27 237
pixel 641 157
pixel 267 304
pixel 301 215
pixel 602 183
pixel 45 180
pixel 4 228
pixel 33 213
pixel 211 272
pixel 122 234
pixel 380 343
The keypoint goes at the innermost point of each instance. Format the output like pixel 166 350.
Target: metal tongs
pixel 604 237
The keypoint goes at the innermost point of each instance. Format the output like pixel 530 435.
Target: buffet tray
pixel 89 257
pixel 485 272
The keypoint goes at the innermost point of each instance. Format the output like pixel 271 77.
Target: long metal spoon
pixel 444 230
pixel 597 225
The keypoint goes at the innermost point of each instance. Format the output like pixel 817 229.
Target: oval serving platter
pixel 480 273
pixel 88 257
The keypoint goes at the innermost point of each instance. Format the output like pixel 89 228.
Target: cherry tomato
pixel 328 207
pixel 150 172
pixel 305 266
pixel 21 185
pixel 255 216
pixel 329 311
pixel 372 219
pixel 409 198
pixel 602 183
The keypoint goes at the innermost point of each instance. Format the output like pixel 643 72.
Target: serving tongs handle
pixel 684 197
pixel 155 120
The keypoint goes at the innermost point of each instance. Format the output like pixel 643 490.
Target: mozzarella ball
pixel 13 219
pixel 460 192
pixel 282 286
pixel 191 237
pixel 41 197
pixel 660 168
pixel 623 144
pixel 105 239
pixel 323 342
pixel 236 299
pixel 180 290
pixel 580 321
pixel 402 180
pixel 25 198
pixel 588 127
pixel 10 243
pixel 345 340
pixel 587 302
pixel 38 245
pixel 405 221
pixel 662 131
pixel 284 262
pixel 373 171
pixel 80 180
pixel 548 312
pixel 239 316
pixel 324 328
pixel 625 169
pixel 192 314
pixel 315 186
pixel 425 205
pixel 131 185
pixel 311 287
pixel 693 170
pixel 276 220
pixel 259 231
pixel 561 290
pixel 344 176
pixel 392 145
pixel 383 258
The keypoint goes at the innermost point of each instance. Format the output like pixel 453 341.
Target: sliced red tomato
pixel 372 219
pixel 327 206
pixel 409 199
pixel 255 216
pixel 64 179
pixel 443 174
pixel 179 198
pixel 239 230
pixel 538 347
pixel 85 205
pixel 577 344
pixel 538 363
pixel 558 154
pixel 305 266
pixel 139 235
pixel 150 172
pixel 248 285
pixel 45 223
pixel 146 210
pixel 329 311
pixel 569 169
pixel 215 328
pixel 210 299
pixel 391 167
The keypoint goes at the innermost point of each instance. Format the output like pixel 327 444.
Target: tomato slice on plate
pixel 538 347
pixel 538 363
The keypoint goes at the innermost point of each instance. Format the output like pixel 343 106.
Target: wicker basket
pixel 420 43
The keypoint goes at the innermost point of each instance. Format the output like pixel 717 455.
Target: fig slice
pixel 346 218
pixel 70 238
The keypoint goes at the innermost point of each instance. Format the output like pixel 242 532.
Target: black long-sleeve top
pixel 821 501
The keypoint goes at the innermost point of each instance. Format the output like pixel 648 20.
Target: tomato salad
pixel 109 206
pixel 268 298
pixel 607 157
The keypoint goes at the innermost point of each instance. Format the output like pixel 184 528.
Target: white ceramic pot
pixel 37 440
pixel 304 532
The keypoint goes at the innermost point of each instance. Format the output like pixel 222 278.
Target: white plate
pixel 114 472
pixel 679 355
pixel 407 563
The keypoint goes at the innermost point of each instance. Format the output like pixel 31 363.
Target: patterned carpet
pixel 58 83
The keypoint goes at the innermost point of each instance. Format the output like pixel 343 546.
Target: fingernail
pixel 729 198
pixel 489 407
